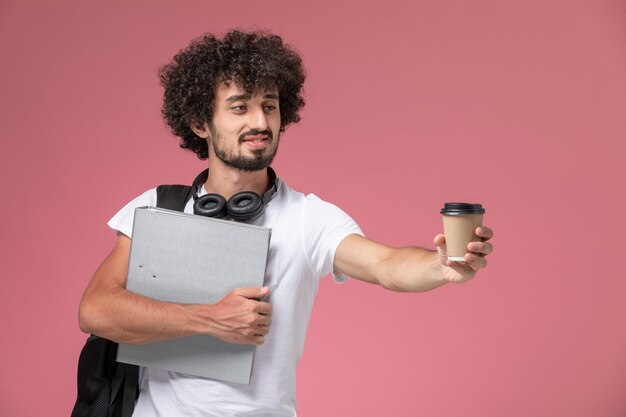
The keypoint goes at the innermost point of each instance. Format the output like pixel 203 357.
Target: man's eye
pixel 239 108
pixel 270 108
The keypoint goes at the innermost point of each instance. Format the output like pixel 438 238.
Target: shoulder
pixel 122 221
pixel 288 194
pixel 148 197
pixel 309 206
pixel 315 207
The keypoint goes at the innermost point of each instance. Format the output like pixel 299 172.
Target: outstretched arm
pixel 108 310
pixel 410 269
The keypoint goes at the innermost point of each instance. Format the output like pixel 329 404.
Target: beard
pixel 260 159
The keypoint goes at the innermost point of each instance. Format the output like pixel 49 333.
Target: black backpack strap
pixel 173 197
pixel 131 389
pixel 125 388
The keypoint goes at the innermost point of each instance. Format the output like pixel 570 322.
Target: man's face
pixel 246 127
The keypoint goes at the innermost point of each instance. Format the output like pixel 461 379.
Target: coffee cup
pixel 460 221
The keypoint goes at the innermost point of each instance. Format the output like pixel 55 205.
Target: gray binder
pixel 191 259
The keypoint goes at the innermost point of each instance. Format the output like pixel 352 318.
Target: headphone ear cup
pixel 210 205
pixel 244 206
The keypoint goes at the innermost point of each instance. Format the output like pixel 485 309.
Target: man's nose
pixel 258 119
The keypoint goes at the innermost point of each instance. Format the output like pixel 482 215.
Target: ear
pixel 201 130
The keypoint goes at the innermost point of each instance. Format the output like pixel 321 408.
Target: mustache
pixel 255 132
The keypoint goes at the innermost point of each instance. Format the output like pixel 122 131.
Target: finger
pixel 263 321
pixel 474 261
pixel 264 308
pixel 484 232
pixel 259 331
pixel 481 248
pixel 253 292
pixel 440 242
pixel 258 340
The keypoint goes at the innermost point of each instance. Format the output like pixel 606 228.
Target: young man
pixel 229 100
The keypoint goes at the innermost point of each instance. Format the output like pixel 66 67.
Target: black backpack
pixel 107 388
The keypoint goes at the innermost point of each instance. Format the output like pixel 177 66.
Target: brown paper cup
pixel 460 221
pixel 460 231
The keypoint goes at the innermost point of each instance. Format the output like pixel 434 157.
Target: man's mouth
pixel 256 138
pixel 256 142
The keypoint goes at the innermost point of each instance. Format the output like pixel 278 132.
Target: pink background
pixel 515 104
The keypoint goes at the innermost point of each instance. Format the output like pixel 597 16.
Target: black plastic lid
pixel 459 209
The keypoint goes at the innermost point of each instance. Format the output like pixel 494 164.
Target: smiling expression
pixel 245 130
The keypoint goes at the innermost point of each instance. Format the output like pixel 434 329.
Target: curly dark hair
pixel 253 60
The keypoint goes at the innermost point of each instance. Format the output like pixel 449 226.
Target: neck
pixel 228 181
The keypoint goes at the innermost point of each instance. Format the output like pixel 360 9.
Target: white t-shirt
pixel 305 234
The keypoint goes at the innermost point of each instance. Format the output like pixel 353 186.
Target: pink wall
pixel 517 104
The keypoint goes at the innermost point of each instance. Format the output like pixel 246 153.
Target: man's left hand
pixel 475 258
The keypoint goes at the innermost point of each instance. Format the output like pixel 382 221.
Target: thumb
pixel 440 242
pixel 253 292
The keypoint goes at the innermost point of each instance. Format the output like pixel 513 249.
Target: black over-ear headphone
pixel 243 206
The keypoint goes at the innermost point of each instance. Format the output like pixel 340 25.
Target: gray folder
pixel 191 259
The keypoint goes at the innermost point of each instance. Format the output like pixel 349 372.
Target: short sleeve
pixel 324 226
pixel 122 222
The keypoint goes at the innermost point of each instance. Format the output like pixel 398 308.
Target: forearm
pixel 122 316
pixel 410 269
pixel 405 269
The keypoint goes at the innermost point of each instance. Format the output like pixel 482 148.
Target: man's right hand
pixel 240 316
